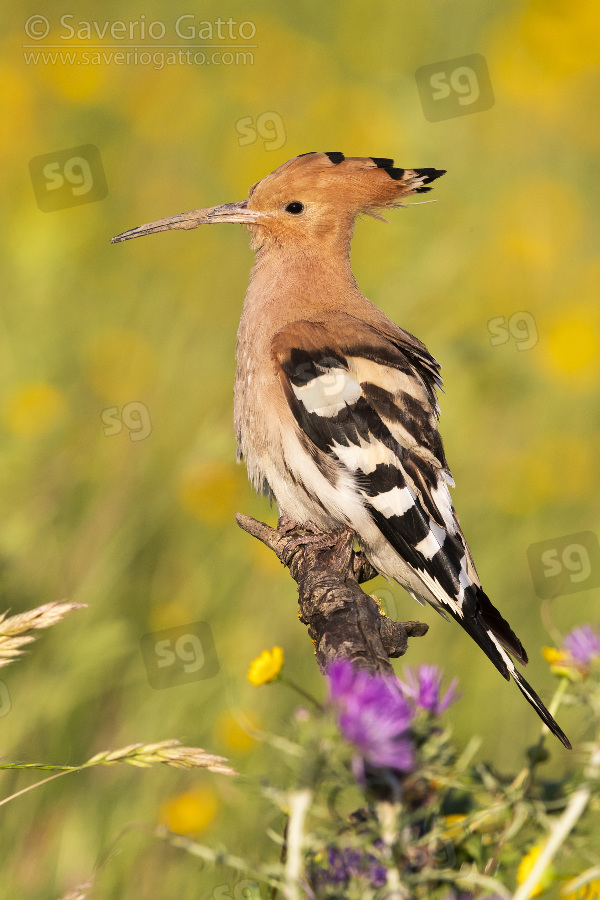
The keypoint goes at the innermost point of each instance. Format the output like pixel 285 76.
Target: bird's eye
pixel 295 207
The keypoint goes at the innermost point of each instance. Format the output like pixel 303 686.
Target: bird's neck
pixel 299 280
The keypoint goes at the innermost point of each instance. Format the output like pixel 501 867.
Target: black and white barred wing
pixel 370 403
pixel 367 400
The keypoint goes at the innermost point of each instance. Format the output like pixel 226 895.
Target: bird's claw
pixel 312 537
pixel 285 525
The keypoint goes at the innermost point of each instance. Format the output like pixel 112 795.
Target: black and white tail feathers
pixel 489 630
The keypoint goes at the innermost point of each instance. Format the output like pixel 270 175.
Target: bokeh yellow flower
pixel 559 662
pixel 526 865
pixel 32 410
pixel 231 731
pixel 589 891
pixel 170 614
pixel 191 812
pixel 562 44
pixel 572 348
pixel 454 826
pixel 553 656
pixel 18 92
pixel 93 82
pixel 266 667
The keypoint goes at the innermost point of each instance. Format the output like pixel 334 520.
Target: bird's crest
pixel 361 183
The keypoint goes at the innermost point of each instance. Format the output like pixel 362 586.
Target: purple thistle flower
pixel 373 715
pixel 583 645
pixel 377 874
pixel 347 863
pixel 424 689
pixel 338 867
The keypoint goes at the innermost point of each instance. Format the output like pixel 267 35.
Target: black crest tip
pixel 396 174
pixel 430 174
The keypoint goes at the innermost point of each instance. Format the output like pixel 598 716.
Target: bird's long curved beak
pixel 228 212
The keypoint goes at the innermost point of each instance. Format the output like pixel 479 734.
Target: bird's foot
pixel 285 525
pixel 310 538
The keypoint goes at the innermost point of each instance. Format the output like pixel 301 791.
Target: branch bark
pixel 343 622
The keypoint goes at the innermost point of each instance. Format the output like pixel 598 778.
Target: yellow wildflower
pixel 266 667
pixel 454 826
pixel 526 865
pixel 191 812
pixel 553 656
pixel 560 662
pixel 572 348
pixel 589 891
pixel 32 410
pixel 231 731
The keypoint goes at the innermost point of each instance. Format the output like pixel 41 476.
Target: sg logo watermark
pixel 68 178
pixel 521 326
pixel 269 126
pixel 179 655
pixel 565 565
pixel 134 416
pixel 455 87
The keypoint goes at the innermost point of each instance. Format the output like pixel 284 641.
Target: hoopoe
pixel 335 406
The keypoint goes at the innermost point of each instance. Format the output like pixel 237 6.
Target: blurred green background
pixel 143 530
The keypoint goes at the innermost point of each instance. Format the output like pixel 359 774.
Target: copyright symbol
pixel 37 27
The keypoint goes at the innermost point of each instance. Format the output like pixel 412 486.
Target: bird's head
pixel 313 197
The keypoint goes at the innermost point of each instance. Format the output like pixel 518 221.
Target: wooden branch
pixel 343 622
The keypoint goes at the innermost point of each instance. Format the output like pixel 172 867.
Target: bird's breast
pixel 307 485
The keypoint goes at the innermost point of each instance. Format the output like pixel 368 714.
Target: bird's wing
pixel 366 397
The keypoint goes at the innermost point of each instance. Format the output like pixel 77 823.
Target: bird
pixel 335 406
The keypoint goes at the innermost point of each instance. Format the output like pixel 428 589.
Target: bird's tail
pixel 492 645
pixel 530 695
